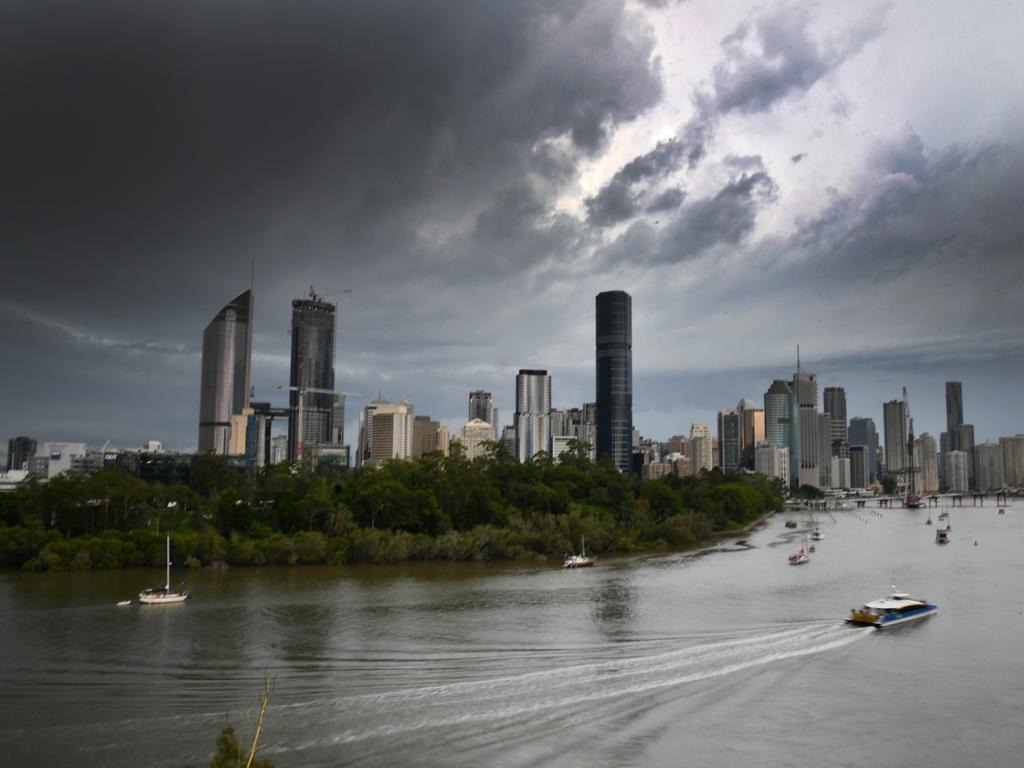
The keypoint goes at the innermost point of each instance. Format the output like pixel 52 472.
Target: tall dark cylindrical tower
pixel 312 369
pixel 615 378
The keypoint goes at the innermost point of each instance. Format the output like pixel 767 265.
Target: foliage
pixel 437 507
pixel 889 485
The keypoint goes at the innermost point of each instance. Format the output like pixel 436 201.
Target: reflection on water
pixel 637 661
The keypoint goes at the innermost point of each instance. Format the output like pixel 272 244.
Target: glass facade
pixel 226 372
pixel 615 378
pixel 312 368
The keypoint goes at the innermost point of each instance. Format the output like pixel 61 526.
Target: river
pixel 722 657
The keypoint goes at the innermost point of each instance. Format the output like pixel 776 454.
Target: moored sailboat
pixel 581 560
pixel 163 595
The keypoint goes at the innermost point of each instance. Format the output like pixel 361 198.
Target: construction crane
pixel 912 499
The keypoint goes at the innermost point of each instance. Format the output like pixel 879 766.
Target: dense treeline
pixel 438 507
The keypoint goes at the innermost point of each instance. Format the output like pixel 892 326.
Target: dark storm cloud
pixel 725 218
pixel 795 159
pixel 620 199
pixel 153 150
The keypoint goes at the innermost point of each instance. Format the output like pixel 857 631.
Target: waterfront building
pixel 805 389
pixel 860 470
pixel 751 430
pixel 424 435
pixel 780 423
pixel 701 448
pixel 1013 460
pixel 824 451
pixel 839 472
pixel 392 432
pixel 835 407
pixel 226 373
pixel 772 461
pixel 58 458
pixel 614 374
pixel 19 451
pixel 894 424
pixel 312 374
pixel 533 414
pixel 965 441
pixel 988 463
pixel 926 459
pixel 954 413
pixel 862 432
pixel 474 435
pixel 364 449
pixel 729 437
pixel 956 471
pixel 481 406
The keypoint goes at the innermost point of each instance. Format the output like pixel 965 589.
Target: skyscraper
pixel 702 450
pixel 392 429
pixel 894 425
pixel 825 479
pixel 614 333
pixel 475 433
pixel 751 430
pixel 729 436
pixel 226 377
pixel 312 369
pixel 835 407
pixel 926 456
pixel 533 413
pixel 482 407
pixel 862 432
pixel 954 413
pixel 780 423
pixel 988 463
pixel 965 439
pixel 364 450
pixel 424 436
pixel 805 389
pixel 19 451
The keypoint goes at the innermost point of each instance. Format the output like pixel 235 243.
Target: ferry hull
pixel 881 622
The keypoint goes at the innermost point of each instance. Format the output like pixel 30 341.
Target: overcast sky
pixel 847 177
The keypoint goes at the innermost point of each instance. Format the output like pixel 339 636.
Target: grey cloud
pixel 668 200
pixel 795 159
pixel 617 200
pixel 725 218
pixel 774 55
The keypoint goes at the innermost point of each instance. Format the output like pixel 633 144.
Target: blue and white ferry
pixel 896 608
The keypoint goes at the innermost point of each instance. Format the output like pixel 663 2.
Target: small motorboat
pixel 791 523
pixel 942 535
pixel 1002 511
pixel 817 535
pixel 896 608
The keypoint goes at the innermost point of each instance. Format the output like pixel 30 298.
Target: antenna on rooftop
pixel 798 358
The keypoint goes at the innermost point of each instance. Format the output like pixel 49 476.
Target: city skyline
pixel 754 175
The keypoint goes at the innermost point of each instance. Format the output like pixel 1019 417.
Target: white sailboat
pixel 581 560
pixel 163 595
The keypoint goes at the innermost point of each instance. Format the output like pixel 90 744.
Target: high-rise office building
pixel 780 423
pixel 966 442
pixel 772 461
pixel 894 424
pixel 424 436
pixel 824 451
pixel 835 407
pixel 956 471
pixel 19 451
pixel 859 466
pixel 805 389
pixel 954 413
pixel 1013 460
pixel 614 369
pixel 392 432
pixel 533 414
pixel 338 419
pixel 701 448
pixel 481 406
pixel 862 432
pixel 226 374
pixel 475 434
pixel 364 451
pixel 926 457
pixel 729 437
pixel 988 463
pixel 751 430
pixel 312 374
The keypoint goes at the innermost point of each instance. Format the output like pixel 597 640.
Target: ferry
pixel 897 608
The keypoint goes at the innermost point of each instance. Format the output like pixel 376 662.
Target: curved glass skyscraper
pixel 615 378
pixel 312 369
pixel 226 372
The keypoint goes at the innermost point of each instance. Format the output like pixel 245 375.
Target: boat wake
pixel 526 696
